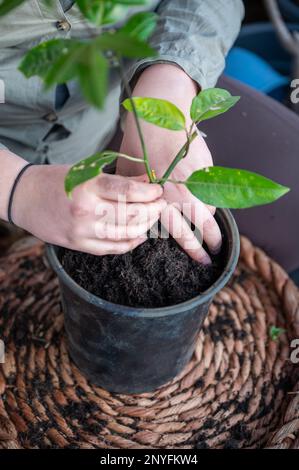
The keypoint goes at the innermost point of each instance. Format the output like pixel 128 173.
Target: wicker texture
pixel 234 393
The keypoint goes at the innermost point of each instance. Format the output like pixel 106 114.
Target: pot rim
pixel 231 232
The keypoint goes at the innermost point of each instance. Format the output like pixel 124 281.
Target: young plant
pixel 60 60
pixel 217 186
pixel 275 332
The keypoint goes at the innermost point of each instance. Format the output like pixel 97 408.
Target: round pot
pixel 135 350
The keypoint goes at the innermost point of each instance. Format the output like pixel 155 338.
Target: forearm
pixel 164 81
pixel 10 166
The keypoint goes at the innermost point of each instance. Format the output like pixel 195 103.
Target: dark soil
pixel 156 274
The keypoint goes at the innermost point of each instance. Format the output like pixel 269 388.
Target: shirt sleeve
pixel 196 35
pixel 2 147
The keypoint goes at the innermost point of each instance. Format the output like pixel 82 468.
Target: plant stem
pixel 143 146
pixel 182 154
pixel 127 157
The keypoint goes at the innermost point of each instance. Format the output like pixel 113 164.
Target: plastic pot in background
pixel 135 350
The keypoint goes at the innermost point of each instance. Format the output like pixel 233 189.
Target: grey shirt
pixel 194 34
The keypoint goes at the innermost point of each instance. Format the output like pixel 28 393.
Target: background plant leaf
pixel 141 25
pixel 40 59
pixel 161 113
pixel 210 103
pixel 7 5
pixel 129 2
pixel 232 188
pixel 123 44
pixel 93 10
pixel 87 169
pixel 93 76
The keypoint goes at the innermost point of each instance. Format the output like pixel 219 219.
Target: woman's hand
pixel 107 215
pixel 169 82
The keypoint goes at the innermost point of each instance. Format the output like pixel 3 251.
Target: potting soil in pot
pixel 156 274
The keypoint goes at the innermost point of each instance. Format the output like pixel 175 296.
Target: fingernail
pixel 205 260
pixel 216 251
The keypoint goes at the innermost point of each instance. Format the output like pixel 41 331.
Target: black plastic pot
pixel 134 350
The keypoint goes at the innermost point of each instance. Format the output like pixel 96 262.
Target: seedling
pixel 217 186
pixel 275 332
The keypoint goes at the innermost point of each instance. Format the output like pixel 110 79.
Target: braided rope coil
pixel 239 390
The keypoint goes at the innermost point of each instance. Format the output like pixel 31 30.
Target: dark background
pixel 255 11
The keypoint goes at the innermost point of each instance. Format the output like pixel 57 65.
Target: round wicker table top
pixel 238 391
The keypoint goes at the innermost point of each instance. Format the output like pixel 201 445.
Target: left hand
pixel 171 83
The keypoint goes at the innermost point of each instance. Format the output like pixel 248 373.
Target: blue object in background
pixel 254 71
pixel 261 40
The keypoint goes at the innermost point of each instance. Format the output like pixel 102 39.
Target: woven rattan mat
pixel 238 391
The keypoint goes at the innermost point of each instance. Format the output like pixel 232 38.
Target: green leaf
pixel 93 76
pixel 141 25
pixel 7 5
pixel 123 44
pixel 210 103
pixel 93 10
pixel 113 13
pixel 232 188
pixel 65 67
pixel 161 113
pixel 130 2
pixel 87 169
pixel 40 60
pixel 275 332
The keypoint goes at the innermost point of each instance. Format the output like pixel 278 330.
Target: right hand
pixel 109 214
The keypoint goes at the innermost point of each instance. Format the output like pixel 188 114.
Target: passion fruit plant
pixel 60 60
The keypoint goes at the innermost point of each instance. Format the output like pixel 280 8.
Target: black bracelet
pixel 13 189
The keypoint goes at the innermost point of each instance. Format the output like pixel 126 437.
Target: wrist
pixel 11 165
pixel 39 198
pixel 169 82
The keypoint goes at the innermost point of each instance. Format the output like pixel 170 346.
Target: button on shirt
pixel 58 125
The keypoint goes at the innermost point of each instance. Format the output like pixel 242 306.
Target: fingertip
pixel 201 257
pixel 158 189
pixel 205 260
pixel 216 250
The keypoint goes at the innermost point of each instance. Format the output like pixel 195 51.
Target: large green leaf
pixel 210 103
pixel 58 61
pixel 7 5
pixel 162 113
pixel 232 188
pixel 40 60
pixel 87 169
pixel 93 76
pixel 141 25
pixel 123 44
